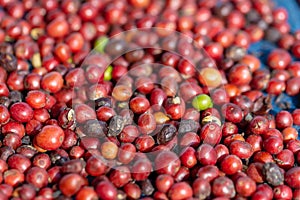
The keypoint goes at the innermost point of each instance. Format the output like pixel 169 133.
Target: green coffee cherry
pixel 108 73
pixel 100 44
pixel 202 102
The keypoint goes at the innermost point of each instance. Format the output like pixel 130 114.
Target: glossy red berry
pixel 188 157
pixel 206 155
pixel 231 164
pixel 71 183
pixel 106 190
pixel 164 182
pixel 36 99
pixel 283 192
pixel 37 176
pixel 240 74
pixel 4 114
pixel 283 119
pixel 273 145
pixel 141 169
pixel 292 177
pixel 50 137
pixel 232 112
pixel 167 162
pixel 58 28
pixel 245 186
pixel 120 176
pixel 279 59
pixel 52 82
pixel 223 187
pixel 21 112
pixel 211 133
pixel 181 190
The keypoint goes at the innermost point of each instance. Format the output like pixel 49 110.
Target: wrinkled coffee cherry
pixel 166 134
pixel 26 140
pixel 5 101
pixel 61 161
pixel 187 126
pixel 262 105
pixel 94 128
pixel 273 174
pixel 116 125
pixel 104 101
pixel 57 159
pixel 8 62
pixel 15 96
pixel 147 187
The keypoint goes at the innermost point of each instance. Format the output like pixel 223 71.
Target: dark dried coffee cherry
pixel 8 61
pixel 166 134
pixel 104 101
pixel 26 140
pixel 273 174
pixel 94 128
pixel 61 161
pixel 15 96
pixel 187 126
pixel 116 125
pixel 262 105
pixel 5 101
pixel 147 187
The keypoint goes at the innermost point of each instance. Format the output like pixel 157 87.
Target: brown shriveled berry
pixel 273 174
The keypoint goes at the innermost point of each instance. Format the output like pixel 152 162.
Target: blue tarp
pixel 262 49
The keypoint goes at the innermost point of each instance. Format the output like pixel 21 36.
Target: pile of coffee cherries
pixel 140 99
